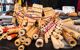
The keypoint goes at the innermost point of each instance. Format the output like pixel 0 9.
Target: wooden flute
pixel 70 40
pixel 74 27
pixel 75 34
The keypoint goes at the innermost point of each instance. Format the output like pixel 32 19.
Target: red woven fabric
pixel 78 5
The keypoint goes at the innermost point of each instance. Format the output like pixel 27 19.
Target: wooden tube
pixel 75 34
pixel 27 42
pixel 10 37
pixel 55 42
pixel 21 47
pixel 17 42
pixel 39 43
pixel 70 40
pixel 22 39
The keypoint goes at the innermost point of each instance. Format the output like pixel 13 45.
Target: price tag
pixel 68 9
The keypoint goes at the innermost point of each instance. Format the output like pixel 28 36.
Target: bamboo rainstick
pixel 17 42
pixel 21 47
pixel 75 34
pixel 70 40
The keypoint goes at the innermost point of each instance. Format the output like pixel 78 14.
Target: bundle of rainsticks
pixel 40 24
